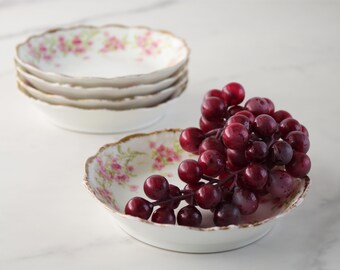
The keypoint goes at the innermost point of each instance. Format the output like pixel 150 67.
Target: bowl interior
pixel 118 171
pixel 105 52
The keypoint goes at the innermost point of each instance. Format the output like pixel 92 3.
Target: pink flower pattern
pixel 163 155
pixel 148 44
pixel 112 43
pixel 80 44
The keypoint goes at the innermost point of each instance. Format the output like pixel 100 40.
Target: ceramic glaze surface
pixel 106 52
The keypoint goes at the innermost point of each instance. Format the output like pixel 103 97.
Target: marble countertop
pixel 286 50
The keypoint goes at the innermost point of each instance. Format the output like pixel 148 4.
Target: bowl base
pixel 201 248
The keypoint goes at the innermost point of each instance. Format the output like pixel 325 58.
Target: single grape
pixel 212 143
pixel 299 166
pixel 237 157
pixel 248 114
pixel 271 106
pixel 189 171
pixel 211 162
pixel 280 184
pixel 235 136
pixel 281 153
pixel 255 176
pixel 257 151
pixel 245 200
pixel 192 188
pixel 265 125
pixel 213 108
pixel 234 109
pixel 189 216
pixel 298 140
pixel 190 139
pixel 164 215
pixel 139 207
pixel 235 93
pixel 174 192
pixel 208 196
pixel 288 125
pixel 241 119
pixel 226 214
pixel 217 93
pixel 257 106
pixel 156 187
pixel 207 125
pixel 304 130
pixel 281 115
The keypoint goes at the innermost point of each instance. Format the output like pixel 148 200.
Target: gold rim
pixel 297 202
pixel 54 30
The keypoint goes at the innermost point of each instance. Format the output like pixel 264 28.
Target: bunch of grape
pixel 244 152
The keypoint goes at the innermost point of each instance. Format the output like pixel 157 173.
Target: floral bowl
pixel 111 55
pixel 79 92
pixel 117 173
pixel 123 104
pixel 101 121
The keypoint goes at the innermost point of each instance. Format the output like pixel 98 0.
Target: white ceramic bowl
pixel 123 104
pixel 78 92
pixel 111 55
pixel 117 173
pixel 101 121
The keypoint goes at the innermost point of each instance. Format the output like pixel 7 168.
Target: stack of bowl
pixel 102 79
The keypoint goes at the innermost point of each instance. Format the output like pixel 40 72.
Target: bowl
pixel 117 173
pixel 78 92
pixel 110 55
pixel 101 121
pixel 123 104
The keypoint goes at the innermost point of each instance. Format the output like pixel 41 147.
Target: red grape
pixel 248 114
pixel 245 200
pixel 241 119
pixel 255 176
pixel 257 106
pixel 189 216
pixel 235 93
pixel 265 125
pixel 281 115
pixel 271 106
pixel 217 93
pixel 207 125
pixel 211 143
pixel 213 108
pixel 164 215
pixel 211 162
pixel 298 140
pixel 139 207
pixel 299 166
pixel 190 171
pixel 190 139
pixel 226 214
pixel 281 153
pixel 156 187
pixel 280 184
pixel 208 196
pixel 257 151
pixel 288 125
pixel 235 136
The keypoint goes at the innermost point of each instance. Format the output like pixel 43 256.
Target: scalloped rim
pixel 54 30
pixel 173 97
pixel 297 202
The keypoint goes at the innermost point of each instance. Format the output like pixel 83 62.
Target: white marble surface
pixel 286 50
